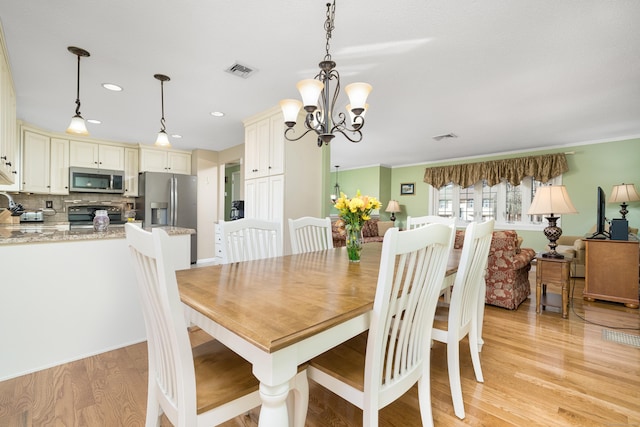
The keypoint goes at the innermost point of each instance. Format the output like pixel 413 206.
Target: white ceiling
pixel 503 75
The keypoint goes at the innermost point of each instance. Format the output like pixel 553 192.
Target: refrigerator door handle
pixel 172 202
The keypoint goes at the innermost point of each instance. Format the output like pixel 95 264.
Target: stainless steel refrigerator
pixel 169 199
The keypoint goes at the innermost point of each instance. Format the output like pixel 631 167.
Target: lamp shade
pixel 624 193
pixel 162 140
pixel 552 199
pixel 77 126
pixel 310 91
pixel 393 206
pixel 357 93
pixel 290 109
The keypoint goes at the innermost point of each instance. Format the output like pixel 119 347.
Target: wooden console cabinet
pixel 612 271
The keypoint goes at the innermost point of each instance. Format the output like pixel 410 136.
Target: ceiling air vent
pixel 444 136
pixel 240 70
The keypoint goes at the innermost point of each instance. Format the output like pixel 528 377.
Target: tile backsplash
pixel 36 202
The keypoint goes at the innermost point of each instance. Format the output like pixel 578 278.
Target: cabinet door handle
pixel 3 158
pixel 8 164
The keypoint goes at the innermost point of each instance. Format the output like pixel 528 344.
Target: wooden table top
pixel 275 302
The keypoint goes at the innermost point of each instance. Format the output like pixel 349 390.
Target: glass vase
pixel 354 243
pixel 101 221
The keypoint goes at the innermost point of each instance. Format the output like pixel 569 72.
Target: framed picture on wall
pixel 408 189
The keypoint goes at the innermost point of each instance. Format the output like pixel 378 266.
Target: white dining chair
pixel 309 234
pixel 201 386
pixel 463 317
pixel 377 367
pixel 249 239
pixel 421 221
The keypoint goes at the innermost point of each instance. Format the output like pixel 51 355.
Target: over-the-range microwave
pixel 88 180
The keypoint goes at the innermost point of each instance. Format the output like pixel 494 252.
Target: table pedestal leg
pixel 274 405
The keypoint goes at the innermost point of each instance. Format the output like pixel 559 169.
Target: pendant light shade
pixel 78 125
pixel 162 140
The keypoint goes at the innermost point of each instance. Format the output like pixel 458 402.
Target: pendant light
pixel 336 188
pixel 163 139
pixel 77 125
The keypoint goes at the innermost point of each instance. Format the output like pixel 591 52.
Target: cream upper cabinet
pixel 161 160
pixel 9 139
pixel 94 155
pixel 59 166
pixel 264 146
pixel 131 172
pixel 45 166
pixel 272 192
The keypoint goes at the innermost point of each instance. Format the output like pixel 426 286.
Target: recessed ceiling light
pixel 94 121
pixel 175 135
pixel 111 86
pixel 217 113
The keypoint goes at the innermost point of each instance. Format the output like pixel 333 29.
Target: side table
pixel 556 271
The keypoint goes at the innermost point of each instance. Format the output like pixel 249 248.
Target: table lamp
pixel 622 194
pixel 393 207
pixel 550 200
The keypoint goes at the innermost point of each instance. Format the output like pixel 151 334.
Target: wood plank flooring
pixel 538 370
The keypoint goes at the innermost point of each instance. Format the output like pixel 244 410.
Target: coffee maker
pixel 237 209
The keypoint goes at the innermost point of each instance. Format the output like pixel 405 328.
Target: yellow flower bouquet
pixel 354 213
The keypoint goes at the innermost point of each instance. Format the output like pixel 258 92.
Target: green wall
pixel 372 181
pixel 603 164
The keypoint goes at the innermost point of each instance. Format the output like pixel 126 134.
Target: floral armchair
pixel 508 268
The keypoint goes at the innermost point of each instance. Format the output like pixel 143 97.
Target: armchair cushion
pixel 507 276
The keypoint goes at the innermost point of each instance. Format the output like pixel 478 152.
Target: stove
pixel 81 216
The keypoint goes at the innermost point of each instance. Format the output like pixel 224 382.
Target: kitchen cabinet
pixel 264 147
pixel 9 140
pixel 273 193
pixel 162 160
pixel 95 155
pixel 45 165
pixel 131 172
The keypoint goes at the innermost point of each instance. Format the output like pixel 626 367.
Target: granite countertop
pixel 21 234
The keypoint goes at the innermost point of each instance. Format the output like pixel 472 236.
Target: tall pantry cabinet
pixel 283 179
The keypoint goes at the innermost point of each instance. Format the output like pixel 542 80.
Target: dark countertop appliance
pixel 81 216
pixel 237 210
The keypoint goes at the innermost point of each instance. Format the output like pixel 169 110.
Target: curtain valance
pixel 542 168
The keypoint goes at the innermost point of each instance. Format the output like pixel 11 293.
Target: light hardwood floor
pixel 538 370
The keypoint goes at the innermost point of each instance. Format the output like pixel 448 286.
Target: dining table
pixel 278 313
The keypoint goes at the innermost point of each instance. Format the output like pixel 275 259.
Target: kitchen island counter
pixel 69 294
pixel 21 234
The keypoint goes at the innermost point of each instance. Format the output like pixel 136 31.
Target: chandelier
pixel 162 139
pixel 77 125
pixel 320 119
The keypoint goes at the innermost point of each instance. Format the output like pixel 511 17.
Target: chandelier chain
pixel 329 26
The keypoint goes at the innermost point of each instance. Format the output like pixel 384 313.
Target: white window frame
pixel 524 223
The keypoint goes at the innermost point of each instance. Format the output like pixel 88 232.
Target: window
pixel 504 202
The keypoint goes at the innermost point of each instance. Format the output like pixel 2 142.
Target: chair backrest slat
pixel 469 283
pixel 310 234
pixel 250 239
pixel 421 221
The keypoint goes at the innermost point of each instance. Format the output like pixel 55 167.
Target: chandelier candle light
pixel 550 200
pixel 163 139
pixel 320 119
pixel 78 125
pixel 353 214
